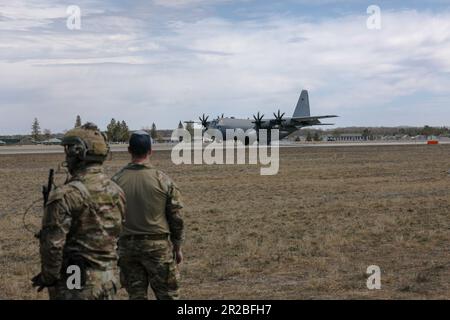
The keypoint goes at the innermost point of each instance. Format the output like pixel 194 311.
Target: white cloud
pixel 133 69
pixel 185 3
pixel 21 15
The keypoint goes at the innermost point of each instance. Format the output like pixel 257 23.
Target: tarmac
pixel 46 149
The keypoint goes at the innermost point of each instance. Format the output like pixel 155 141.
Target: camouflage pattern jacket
pixel 82 220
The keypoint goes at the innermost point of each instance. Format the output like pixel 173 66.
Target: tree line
pixel 37 135
pixel 118 131
pixel 395 131
pixel 371 133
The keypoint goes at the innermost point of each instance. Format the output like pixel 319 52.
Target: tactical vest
pixel 95 228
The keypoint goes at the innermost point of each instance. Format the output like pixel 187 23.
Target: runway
pixel 42 149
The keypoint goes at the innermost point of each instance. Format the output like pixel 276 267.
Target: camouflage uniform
pixel 153 224
pixel 81 223
pixel 81 226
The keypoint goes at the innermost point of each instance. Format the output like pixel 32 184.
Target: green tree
pixel 111 130
pixel 309 136
pixel 366 134
pixel 124 132
pixel 78 122
pixel 36 130
pixel 317 137
pixel 427 131
pixel 180 126
pixel 154 132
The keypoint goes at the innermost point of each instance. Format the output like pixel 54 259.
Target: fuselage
pixel 224 124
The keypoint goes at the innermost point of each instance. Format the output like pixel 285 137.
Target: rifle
pixel 37 280
pixel 48 188
pixel 45 193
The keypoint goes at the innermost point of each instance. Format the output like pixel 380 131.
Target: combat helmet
pixel 85 144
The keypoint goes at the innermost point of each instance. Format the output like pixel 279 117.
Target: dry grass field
pixel 309 232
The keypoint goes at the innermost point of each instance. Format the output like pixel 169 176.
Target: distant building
pixel 53 141
pixel 27 141
pixel 9 141
pixel 166 140
pixel 347 137
pixel 420 138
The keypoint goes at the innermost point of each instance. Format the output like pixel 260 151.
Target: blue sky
pixel 168 60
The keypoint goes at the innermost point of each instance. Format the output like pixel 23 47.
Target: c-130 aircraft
pixel 286 126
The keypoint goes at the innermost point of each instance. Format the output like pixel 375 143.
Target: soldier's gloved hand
pixel 40 282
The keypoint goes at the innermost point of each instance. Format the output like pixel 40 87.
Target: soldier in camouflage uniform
pixel 150 242
pixel 82 222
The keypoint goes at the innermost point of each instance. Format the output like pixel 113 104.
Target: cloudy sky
pixel 168 60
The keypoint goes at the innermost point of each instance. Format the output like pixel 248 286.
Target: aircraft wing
pixel 309 121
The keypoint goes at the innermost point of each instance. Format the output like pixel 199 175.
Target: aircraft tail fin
pixel 302 109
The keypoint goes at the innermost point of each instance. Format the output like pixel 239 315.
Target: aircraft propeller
pixel 204 120
pixel 279 117
pixel 258 120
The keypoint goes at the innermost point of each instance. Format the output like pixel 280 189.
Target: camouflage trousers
pixel 98 285
pixel 145 263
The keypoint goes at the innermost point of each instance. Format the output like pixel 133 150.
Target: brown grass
pixel 309 232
